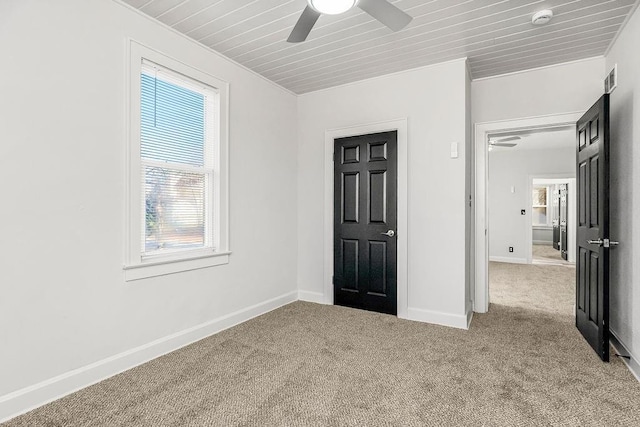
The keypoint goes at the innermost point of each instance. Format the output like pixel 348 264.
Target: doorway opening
pixel 593 243
pixel 517 197
pixel 527 168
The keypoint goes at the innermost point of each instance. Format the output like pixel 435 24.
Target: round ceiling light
pixel 542 17
pixel 332 7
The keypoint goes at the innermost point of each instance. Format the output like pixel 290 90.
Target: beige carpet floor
pixel 521 364
pixel 545 254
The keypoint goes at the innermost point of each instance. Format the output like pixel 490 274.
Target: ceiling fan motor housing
pixel 332 7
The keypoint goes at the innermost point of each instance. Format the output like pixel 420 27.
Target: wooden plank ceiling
pixel 496 35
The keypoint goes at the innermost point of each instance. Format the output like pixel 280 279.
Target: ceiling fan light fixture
pixel 332 7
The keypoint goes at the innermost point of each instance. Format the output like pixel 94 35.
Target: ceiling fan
pixel 504 142
pixel 382 10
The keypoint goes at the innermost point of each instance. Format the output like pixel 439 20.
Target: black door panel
pixel 556 217
pixel 592 263
pixel 365 177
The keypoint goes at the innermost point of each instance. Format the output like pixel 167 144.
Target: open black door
pixel 593 244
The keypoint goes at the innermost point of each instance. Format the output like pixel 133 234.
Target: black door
pixel 564 214
pixel 555 203
pixel 592 267
pixel 365 219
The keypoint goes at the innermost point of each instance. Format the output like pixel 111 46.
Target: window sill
pixel 162 267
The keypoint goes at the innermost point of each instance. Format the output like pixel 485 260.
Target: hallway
pixel 544 287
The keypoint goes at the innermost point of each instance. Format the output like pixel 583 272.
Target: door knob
pixel 606 243
pixel 389 233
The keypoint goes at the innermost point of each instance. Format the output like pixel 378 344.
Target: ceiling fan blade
pixel 304 25
pixel 386 13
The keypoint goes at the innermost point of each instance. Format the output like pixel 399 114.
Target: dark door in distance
pixel 555 203
pixel 365 219
pixel 564 214
pixel 592 263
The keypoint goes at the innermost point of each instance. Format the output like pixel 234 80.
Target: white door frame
pixel 399 125
pixel 481 226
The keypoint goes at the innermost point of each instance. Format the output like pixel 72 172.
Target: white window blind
pixel 178 137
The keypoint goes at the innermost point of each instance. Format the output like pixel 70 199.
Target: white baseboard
pixel 28 398
pixel 634 363
pixel 459 321
pixel 508 259
pixel 309 296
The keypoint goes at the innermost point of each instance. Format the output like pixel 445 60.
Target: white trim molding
pixel 509 260
pixel 481 223
pixel 309 296
pixel 399 125
pixel 460 321
pixel 28 398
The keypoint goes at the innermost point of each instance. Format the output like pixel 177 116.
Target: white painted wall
pixel 64 302
pixel 542 235
pixel 507 168
pixel 625 189
pixel 433 101
pixel 565 88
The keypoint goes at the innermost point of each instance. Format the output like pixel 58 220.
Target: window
pixel 178 194
pixel 540 205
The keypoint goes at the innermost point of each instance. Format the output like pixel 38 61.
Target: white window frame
pixel 138 265
pixel 548 223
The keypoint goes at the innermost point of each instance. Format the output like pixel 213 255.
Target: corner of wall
pixel 633 362
pixel 308 296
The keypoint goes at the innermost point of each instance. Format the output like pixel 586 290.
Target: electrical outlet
pixel 510 248
pixel 523 212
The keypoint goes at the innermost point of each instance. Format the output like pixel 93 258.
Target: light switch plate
pixel 454 150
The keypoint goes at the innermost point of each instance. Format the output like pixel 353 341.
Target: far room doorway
pixel 553 218
pixel 527 169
